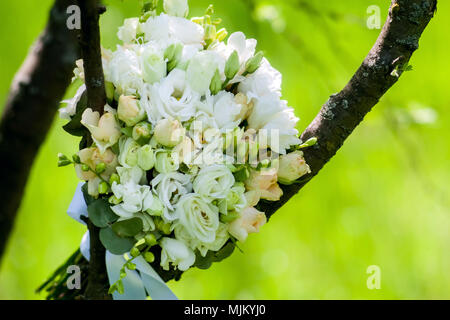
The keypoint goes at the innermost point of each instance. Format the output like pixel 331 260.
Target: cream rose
pixel 249 222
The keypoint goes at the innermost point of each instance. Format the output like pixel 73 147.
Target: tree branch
pixel 33 100
pixel 97 287
pixel 380 70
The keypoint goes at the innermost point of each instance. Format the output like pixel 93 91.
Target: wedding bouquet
pixel 194 137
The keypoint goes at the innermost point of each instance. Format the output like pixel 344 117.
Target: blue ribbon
pixel 139 283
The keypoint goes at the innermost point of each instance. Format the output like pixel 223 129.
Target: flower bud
pixel 210 34
pixel 265 183
pixel 253 63
pixel 292 166
pixel 221 34
pixel 63 160
pixel 166 162
pixel 150 239
pixel 177 8
pixel 135 252
pixel 163 227
pixel 149 257
pixel 100 168
pixel 249 222
pixel 114 200
pixel 142 132
pixel 85 168
pixel 173 55
pixel 114 178
pixel 152 205
pixel 110 90
pixel 128 152
pixel 309 143
pixel 169 133
pixel 232 65
pixel 76 158
pixel 103 187
pixel 129 110
pixel 154 66
pixel 146 157
pixel 105 130
pixel 216 83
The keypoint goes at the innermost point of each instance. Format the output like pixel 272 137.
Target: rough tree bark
pixel 97 287
pixel 34 98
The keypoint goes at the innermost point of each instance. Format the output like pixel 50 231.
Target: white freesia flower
pixel 200 71
pixel 198 216
pixel 168 29
pixel 177 253
pixel 271 114
pixel 132 195
pixel 172 98
pixel 71 108
pixel 170 187
pixel 124 71
pixel 127 32
pixel 178 8
pixel 249 222
pixel 154 66
pixel 133 175
pixel 152 205
pixel 265 80
pixel 214 181
pixel 105 130
pixel 227 112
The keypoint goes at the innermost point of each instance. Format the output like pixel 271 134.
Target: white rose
pixel 292 166
pixel 105 130
pixel 130 111
pixel 166 161
pixel 249 222
pixel 178 8
pixel 170 187
pixel 265 183
pixel 172 98
pixel 177 253
pixel 127 32
pixel 221 238
pixel 198 216
pixel 214 181
pixel 169 133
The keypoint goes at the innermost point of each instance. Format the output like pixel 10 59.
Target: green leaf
pixel 225 252
pixel 74 126
pixel 100 213
pixel 88 198
pixel 113 243
pixel 128 228
pixel 204 262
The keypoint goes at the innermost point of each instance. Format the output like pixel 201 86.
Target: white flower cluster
pixel 191 138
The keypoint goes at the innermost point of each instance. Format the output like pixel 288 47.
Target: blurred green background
pixel 383 200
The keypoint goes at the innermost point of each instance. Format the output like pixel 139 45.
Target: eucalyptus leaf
pixel 128 228
pixel 115 244
pixel 87 197
pixel 100 213
pixel 225 252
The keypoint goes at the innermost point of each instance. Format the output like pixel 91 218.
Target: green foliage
pixel 100 213
pixel 114 243
pixel 74 126
pixel 128 228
